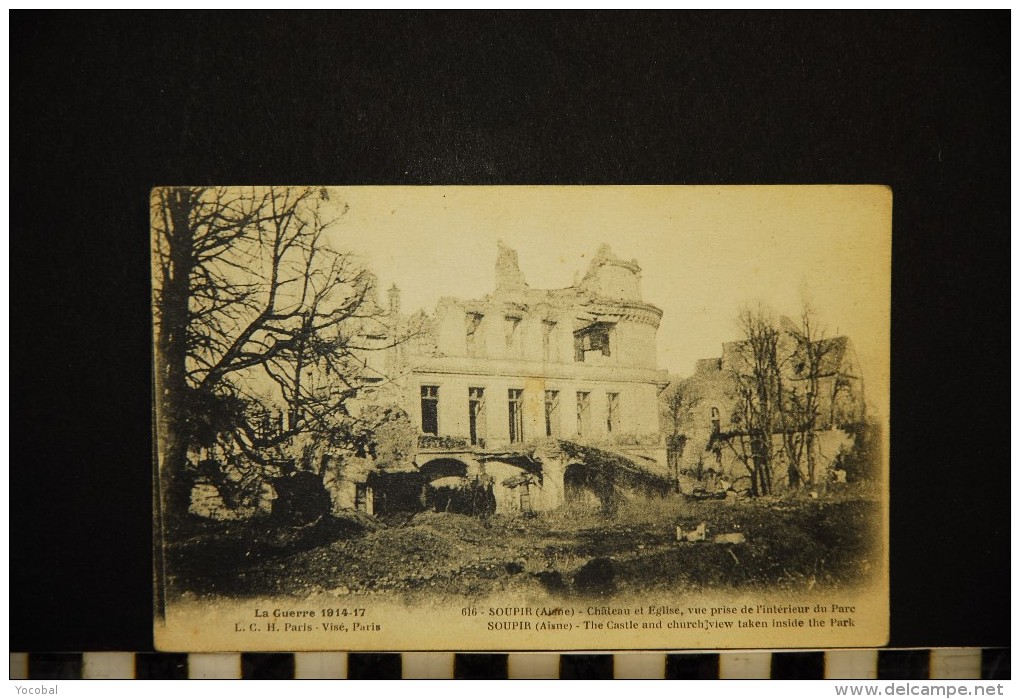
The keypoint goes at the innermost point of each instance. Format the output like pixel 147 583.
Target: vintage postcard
pixel 521 418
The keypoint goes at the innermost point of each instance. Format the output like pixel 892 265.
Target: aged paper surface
pixel 521 418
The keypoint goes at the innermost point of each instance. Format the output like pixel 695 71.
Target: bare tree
pixel 678 400
pixel 757 372
pixel 253 310
pixel 778 372
pixel 810 352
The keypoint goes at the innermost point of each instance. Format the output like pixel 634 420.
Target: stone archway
pixel 581 486
pixel 443 467
pixel 452 485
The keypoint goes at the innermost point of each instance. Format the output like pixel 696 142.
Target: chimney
pixel 508 272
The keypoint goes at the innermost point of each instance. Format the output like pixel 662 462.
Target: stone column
pixel 553 467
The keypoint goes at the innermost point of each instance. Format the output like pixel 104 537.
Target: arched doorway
pixel 443 467
pixel 583 487
pixel 447 488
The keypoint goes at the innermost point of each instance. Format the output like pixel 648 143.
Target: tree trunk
pixel 172 353
pixel 809 446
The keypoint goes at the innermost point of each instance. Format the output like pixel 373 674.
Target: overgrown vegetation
pixel 612 478
pixel 793 543
pixel 863 460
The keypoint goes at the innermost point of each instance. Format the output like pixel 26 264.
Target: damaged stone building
pixel 705 458
pixel 527 399
pixel 514 396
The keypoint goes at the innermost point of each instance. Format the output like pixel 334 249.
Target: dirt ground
pixel 790 543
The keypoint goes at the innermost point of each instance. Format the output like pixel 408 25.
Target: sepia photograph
pixel 363 344
pixel 521 418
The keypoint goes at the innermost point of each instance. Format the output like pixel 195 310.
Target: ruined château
pixel 520 388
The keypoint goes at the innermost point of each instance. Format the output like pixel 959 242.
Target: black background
pixel 105 106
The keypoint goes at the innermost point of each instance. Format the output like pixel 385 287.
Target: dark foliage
pixel 596 577
pixel 474 498
pixel 864 459
pixel 300 498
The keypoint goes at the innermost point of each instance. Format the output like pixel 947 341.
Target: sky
pixel 705 252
